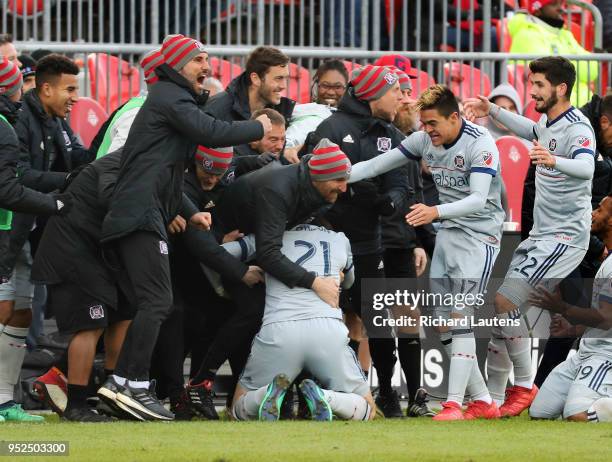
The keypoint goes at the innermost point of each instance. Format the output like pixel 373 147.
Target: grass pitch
pixel 381 440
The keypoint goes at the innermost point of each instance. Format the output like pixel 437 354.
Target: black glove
pixel 71 176
pixel 384 205
pixel 63 202
pixel 265 158
pixel 363 193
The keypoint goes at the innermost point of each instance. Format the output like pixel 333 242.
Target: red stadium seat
pixel 223 70
pixel 112 79
pixel 502 31
pixel 465 80
pixel 86 118
pixel 530 112
pixel 521 81
pixel 421 82
pixel 514 160
pixel 589 35
pixel 299 84
pixel 25 7
pixel 350 66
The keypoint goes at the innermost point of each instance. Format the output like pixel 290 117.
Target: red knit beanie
pixel 149 63
pixel 328 162
pixel 178 50
pixel 215 161
pixel 372 82
pixel 10 77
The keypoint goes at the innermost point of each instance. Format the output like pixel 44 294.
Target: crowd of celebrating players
pixel 234 225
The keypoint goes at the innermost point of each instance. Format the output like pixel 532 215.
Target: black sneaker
pixel 418 408
pixel 199 398
pixel 144 402
pixel 82 414
pixel 108 395
pixel 180 408
pixel 389 405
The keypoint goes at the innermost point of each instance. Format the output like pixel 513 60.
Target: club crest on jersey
pixel 584 141
pixel 487 158
pixel 96 312
pixel 383 144
pixel 552 145
pixel 459 161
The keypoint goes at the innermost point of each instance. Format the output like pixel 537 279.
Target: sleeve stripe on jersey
pixel 346 270
pixel 582 150
pixel 605 298
pixel 490 171
pixel 407 153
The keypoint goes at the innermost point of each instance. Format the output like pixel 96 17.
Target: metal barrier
pixel 113 78
pixel 417 25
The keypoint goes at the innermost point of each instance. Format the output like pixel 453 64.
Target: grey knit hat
pixel 372 82
pixel 178 50
pixel 328 162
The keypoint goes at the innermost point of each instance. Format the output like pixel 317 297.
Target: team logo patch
pixel 552 144
pixel 514 155
pixel 348 139
pixel 384 144
pixel 66 138
pixel 348 170
pixel 210 205
pixel 200 47
pixel 429 156
pixel 163 248
pixel 459 161
pixel 96 312
pixel 487 158
pixel 207 163
pixel 584 141
pixel 391 78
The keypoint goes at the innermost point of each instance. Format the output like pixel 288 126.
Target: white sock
pixel 476 387
pixel 447 342
pixel 518 345
pixel 12 352
pixel 139 383
pixel 461 365
pixel 120 380
pixel 600 410
pixel 347 406
pixel 247 406
pixel 498 368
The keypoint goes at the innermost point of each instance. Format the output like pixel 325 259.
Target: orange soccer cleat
pixel 481 410
pixel 52 389
pixel 450 411
pixel 517 400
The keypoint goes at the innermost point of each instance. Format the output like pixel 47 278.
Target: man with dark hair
pixel 8 50
pixel 149 195
pixel 563 152
pixel 362 127
pixel 464 162
pixel 260 85
pixel 15 290
pixel 28 71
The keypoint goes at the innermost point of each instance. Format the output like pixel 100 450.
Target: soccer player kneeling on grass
pixel 580 388
pixel 301 331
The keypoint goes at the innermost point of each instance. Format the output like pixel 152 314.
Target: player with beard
pixel 563 152
pixel 464 162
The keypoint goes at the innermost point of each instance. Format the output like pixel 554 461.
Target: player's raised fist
pixel 475 108
pixel 265 122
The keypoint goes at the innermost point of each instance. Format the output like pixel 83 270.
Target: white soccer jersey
pixel 562 209
pixel 598 341
pixel 451 165
pixel 318 250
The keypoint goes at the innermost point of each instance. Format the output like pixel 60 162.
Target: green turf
pixel 382 440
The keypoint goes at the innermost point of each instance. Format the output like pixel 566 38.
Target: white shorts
pixel 460 264
pixel 19 287
pixel 536 263
pixel 318 345
pixel 573 386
